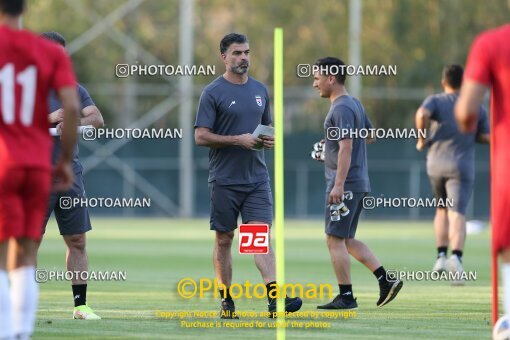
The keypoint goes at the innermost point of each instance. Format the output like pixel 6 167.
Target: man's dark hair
pixel 12 7
pixel 452 75
pixel 332 66
pixel 230 39
pixel 54 36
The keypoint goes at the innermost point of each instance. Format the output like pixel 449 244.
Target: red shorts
pixel 500 192
pixel 24 194
pixel 500 219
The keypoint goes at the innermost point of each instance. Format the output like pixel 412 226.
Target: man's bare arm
pixel 468 105
pixel 91 115
pixel 68 96
pixel 344 161
pixel 205 137
pixel 372 137
pixel 421 121
pixel 343 165
pixel 483 138
pixel 56 116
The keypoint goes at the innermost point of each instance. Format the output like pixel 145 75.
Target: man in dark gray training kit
pixel 230 109
pixel 73 222
pixel 345 167
pixel 450 166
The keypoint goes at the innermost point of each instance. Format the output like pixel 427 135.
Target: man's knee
pixel 456 217
pixel 224 239
pixel 505 255
pixel 354 245
pixel 441 211
pixel 76 242
pixel 269 234
pixel 22 252
pixel 334 241
pixel 350 243
pixel 454 212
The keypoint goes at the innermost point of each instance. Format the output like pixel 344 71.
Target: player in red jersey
pixel 488 66
pixel 29 67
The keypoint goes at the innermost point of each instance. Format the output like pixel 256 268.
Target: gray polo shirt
pixel 230 109
pixel 451 153
pixel 346 112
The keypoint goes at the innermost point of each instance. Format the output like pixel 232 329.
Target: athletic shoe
pixel 291 305
pixel 340 302
pixel 228 309
pixel 388 291
pixel 84 312
pixel 440 265
pixel 454 265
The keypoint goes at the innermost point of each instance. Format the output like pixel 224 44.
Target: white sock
pixel 6 331
pixel 505 269
pixel 24 297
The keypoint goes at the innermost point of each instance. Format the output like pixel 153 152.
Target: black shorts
pixel 74 220
pixel 346 227
pixel 457 189
pixel 253 201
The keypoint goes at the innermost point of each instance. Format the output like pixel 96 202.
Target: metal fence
pixel 143 168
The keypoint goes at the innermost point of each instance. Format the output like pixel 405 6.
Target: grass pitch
pixel 157 253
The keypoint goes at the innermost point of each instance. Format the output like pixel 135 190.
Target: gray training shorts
pixel 253 201
pixel 346 227
pixel 76 219
pixel 457 189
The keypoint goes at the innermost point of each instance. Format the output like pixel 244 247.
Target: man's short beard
pixel 239 69
pixel 325 94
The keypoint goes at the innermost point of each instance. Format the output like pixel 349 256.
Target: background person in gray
pixel 345 167
pixel 74 222
pixel 230 109
pixel 450 165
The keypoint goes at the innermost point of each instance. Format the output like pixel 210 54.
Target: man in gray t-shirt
pixel 345 167
pixel 230 109
pixel 450 165
pixel 347 113
pixel 73 221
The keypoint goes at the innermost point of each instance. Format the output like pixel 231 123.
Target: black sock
pixel 225 294
pixel 80 295
pixel 380 275
pixel 346 291
pixel 443 250
pixel 271 291
pixel 458 253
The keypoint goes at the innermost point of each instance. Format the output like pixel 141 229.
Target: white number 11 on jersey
pixel 27 80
